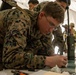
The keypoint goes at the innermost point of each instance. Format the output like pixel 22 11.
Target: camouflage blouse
pixel 24 47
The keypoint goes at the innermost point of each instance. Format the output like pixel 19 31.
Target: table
pixel 8 71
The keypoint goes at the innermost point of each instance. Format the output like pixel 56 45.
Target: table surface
pixel 8 71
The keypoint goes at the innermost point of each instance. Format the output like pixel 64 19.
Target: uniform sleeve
pixel 14 53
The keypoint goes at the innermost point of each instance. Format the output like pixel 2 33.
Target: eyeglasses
pixel 50 23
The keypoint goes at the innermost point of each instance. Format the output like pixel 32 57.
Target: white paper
pixel 40 72
pixel 3 73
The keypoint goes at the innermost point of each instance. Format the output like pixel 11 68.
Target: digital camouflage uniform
pixel 58 35
pixel 23 45
pixel 10 3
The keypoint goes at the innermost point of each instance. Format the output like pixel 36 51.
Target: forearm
pixel 23 60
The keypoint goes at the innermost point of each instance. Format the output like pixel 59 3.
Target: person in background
pixel 72 30
pixel 25 32
pixel 65 35
pixel 32 4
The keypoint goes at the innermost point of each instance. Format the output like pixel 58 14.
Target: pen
pixel 17 72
